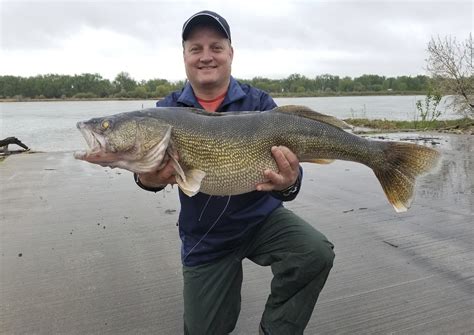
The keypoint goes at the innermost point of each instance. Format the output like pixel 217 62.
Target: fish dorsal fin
pixel 308 113
pixel 320 161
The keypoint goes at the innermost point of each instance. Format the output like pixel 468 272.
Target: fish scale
pixel 226 153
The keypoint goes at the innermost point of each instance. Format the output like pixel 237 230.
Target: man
pixel 217 233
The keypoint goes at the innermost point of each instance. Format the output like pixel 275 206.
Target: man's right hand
pixel 161 177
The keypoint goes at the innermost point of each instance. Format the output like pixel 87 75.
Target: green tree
pixel 152 84
pixel 292 82
pixel 140 92
pixel 346 85
pixel 326 83
pixel 370 82
pixel 162 90
pixel 124 82
pixel 10 86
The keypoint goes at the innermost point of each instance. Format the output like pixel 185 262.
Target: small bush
pixel 86 95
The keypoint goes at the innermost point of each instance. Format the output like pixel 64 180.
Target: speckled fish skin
pixel 233 149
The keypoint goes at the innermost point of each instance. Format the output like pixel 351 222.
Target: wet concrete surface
pixel 85 251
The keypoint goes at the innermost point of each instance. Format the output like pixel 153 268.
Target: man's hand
pixel 288 166
pixel 161 177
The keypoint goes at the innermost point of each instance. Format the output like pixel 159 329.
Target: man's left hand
pixel 288 167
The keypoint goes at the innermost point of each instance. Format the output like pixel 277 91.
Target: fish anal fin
pixel 307 112
pixel 319 161
pixel 191 183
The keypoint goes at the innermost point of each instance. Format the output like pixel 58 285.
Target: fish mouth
pixel 96 145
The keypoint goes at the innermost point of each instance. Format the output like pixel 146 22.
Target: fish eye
pixel 105 124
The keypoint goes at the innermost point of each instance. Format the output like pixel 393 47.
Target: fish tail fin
pixel 402 164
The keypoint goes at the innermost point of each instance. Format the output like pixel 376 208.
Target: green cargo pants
pixel 300 258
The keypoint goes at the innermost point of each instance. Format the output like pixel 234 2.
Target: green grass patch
pixel 391 125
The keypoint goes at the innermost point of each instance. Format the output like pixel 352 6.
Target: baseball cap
pixel 206 17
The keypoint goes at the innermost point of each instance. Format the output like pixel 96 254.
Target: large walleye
pixel 226 153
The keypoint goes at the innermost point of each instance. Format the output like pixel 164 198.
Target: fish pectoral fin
pixel 191 183
pixel 319 161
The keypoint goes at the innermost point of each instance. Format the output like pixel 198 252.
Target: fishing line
pixel 204 208
pixel 209 230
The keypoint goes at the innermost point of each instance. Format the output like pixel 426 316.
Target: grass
pixel 462 125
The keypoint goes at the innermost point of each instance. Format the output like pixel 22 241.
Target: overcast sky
pixel 271 38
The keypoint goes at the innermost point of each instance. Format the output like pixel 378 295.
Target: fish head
pixel 134 143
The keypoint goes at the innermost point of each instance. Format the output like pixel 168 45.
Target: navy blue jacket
pixel 211 227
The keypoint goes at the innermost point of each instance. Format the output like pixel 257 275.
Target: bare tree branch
pixel 451 66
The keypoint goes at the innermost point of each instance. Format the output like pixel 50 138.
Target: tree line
pixel 449 64
pixel 83 86
pixel 90 86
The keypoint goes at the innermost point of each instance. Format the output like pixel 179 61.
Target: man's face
pixel 207 58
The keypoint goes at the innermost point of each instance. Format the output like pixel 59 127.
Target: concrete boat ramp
pixel 85 251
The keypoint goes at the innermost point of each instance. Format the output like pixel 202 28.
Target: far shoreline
pixel 274 95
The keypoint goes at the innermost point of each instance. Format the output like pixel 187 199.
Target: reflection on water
pixel 452 182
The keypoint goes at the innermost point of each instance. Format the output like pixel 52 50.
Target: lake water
pixel 51 126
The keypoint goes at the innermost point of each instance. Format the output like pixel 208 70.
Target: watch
pixel 146 188
pixel 292 189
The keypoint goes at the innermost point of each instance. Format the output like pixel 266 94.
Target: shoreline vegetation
pixel 92 86
pixel 369 126
pixel 274 95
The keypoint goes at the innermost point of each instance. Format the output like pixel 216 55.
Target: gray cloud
pixel 29 25
pixel 369 36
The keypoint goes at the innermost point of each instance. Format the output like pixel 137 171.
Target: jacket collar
pixel 234 93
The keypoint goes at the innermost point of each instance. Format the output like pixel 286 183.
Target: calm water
pixel 51 126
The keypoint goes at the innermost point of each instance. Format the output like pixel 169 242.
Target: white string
pixel 204 208
pixel 209 230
